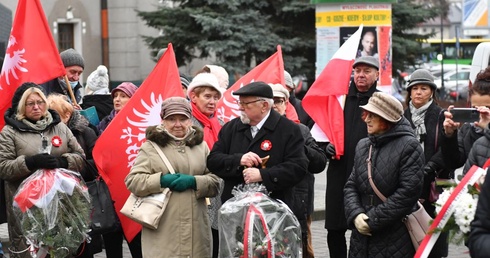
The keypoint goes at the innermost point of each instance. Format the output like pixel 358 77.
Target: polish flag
pixel 324 101
pixel 270 70
pixel 116 149
pixel 31 54
pixel 43 186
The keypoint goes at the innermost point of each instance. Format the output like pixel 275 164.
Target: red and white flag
pixel 270 70
pixel 31 54
pixel 116 149
pixel 471 177
pixel 43 186
pixel 324 100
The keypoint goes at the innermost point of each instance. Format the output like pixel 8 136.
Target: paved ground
pixel 319 233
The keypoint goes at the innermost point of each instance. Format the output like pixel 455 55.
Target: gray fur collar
pixel 162 138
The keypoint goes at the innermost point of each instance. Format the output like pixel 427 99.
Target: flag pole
pixel 72 96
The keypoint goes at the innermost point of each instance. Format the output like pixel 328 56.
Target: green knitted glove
pixel 183 182
pixel 166 179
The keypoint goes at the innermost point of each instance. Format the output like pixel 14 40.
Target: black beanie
pixel 20 90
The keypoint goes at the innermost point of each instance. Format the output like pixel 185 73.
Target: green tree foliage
pixel 406 44
pixel 238 32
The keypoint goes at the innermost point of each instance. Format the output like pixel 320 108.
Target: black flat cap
pixel 259 89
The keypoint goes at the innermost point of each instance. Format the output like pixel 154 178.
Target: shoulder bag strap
pixel 371 182
pixel 164 158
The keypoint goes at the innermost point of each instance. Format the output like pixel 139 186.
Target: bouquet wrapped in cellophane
pixel 251 224
pixel 53 208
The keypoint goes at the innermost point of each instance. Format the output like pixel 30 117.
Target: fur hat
pixel 385 106
pixel 175 105
pixel 367 60
pixel 204 79
pixel 421 76
pixel 71 57
pixel 288 80
pixel 126 87
pixel 221 74
pixel 98 81
pixel 279 91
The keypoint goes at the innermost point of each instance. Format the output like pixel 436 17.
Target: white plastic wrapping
pixel 53 209
pixel 251 224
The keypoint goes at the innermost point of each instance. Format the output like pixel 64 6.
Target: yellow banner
pixel 353 18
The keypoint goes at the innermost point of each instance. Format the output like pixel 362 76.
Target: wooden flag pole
pixel 72 96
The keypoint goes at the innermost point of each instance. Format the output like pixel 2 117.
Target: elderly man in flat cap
pixel 74 65
pixel 361 89
pixel 243 144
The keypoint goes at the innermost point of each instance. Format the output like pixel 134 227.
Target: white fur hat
pixel 205 79
pixel 98 81
pixel 221 74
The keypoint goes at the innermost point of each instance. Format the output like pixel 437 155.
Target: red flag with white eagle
pixel 31 55
pixel 324 100
pixel 116 149
pixel 270 70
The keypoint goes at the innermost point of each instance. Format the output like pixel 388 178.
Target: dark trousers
pixel 113 245
pixel 215 234
pixel 337 245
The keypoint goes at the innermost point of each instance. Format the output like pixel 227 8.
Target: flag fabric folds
pixel 270 70
pixel 324 100
pixel 31 54
pixel 116 149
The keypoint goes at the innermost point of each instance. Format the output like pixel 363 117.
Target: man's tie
pixel 254 130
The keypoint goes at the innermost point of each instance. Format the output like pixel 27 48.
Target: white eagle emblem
pixel 151 116
pixel 14 62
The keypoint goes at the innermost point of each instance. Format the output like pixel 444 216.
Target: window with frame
pixel 65 36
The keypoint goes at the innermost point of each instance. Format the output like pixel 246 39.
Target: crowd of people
pixel 401 148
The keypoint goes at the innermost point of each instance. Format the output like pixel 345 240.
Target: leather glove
pixel 430 169
pixel 361 224
pixel 43 160
pixel 183 182
pixel 62 162
pixel 330 150
pixel 167 179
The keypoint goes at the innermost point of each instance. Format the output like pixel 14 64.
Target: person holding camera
pixel 458 138
pixel 424 115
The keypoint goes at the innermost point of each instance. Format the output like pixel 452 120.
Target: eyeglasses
pixel 244 104
pixel 278 101
pixel 40 103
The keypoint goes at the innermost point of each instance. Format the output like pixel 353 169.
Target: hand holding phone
pixel 465 115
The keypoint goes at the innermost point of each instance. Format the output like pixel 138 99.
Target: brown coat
pixel 18 141
pixel 184 229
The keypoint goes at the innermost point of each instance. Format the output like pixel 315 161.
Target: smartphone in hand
pixel 465 115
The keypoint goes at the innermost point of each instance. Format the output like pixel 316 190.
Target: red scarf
pixel 211 126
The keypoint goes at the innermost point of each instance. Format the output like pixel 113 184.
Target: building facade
pixel 104 32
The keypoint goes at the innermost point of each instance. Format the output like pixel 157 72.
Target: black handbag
pixel 104 217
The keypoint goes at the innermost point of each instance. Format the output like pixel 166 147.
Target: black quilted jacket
pixel 397 171
pixel 479 153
